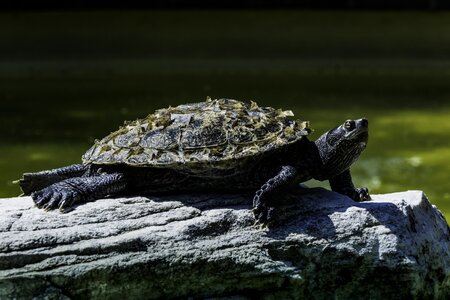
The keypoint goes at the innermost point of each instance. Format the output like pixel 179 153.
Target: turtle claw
pixel 53 202
pixel 57 196
pixel 362 194
pixel 67 200
pixel 264 217
pixel 40 198
pixel 260 215
pixel 259 225
pixel 357 194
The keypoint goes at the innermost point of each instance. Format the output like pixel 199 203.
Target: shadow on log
pixel 394 247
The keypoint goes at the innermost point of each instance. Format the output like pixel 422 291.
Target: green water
pixel 67 78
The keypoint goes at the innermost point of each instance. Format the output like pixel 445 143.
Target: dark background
pixel 243 4
pixel 73 72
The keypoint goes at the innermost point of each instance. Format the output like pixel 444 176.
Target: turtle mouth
pixel 358 133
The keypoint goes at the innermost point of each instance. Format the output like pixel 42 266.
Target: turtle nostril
pixel 364 122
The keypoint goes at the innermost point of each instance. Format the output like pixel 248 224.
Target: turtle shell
pixel 221 131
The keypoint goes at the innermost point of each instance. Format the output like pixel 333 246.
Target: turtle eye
pixel 349 125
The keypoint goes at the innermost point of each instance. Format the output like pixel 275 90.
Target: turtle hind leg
pixel 31 182
pixel 65 193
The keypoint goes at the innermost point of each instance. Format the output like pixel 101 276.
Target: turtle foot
pixel 59 195
pixel 264 216
pixel 363 194
pixel 32 182
pixel 358 194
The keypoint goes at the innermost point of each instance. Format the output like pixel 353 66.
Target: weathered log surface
pixel 396 246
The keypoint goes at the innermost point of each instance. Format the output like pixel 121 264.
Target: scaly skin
pixel 31 182
pixel 284 178
pixel 65 193
pixel 343 184
pixel 328 158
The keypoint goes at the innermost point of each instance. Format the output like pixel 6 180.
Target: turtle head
pixel 340 147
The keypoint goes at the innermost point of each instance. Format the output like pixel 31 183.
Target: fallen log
pixel 396 246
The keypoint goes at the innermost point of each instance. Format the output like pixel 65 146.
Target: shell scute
pixel 222 130
pixel 163 138
pixel 202 137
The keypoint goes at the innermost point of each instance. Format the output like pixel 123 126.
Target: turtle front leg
pixel 261 209
pixel 65 193
pixel 31 182
pixel 343 184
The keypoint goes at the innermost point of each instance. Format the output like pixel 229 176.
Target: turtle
pixel 220 145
